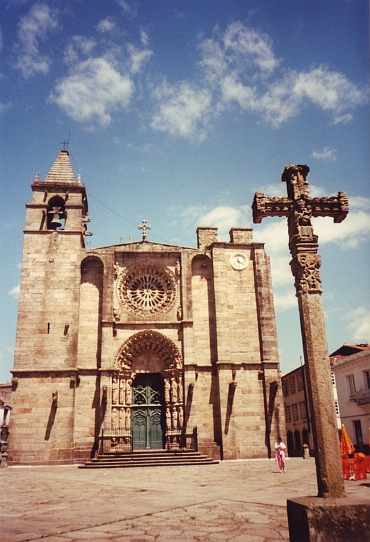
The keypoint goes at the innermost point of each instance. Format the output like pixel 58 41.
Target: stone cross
pixel 299 208
pixel 144 226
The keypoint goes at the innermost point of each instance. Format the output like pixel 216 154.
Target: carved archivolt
pixel 144 341
pixel 145 290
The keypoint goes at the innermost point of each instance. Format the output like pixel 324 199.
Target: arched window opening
pixel 56 215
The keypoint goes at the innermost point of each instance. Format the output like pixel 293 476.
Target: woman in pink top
pixel 280 454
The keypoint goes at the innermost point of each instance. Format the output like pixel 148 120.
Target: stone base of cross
pixel 299 208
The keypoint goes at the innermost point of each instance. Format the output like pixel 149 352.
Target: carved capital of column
pixel 305 269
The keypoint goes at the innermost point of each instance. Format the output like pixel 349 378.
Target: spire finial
pixel 144 226
pixel 66 143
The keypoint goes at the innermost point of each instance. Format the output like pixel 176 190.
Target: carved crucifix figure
pixel 299 208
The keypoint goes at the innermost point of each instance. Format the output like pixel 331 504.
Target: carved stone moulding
pixel 148 341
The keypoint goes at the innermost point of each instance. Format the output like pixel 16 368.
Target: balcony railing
pixel 362 397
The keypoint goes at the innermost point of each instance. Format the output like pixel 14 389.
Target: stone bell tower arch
pixel 147 352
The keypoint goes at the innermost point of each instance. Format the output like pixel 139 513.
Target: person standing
pixel 280 454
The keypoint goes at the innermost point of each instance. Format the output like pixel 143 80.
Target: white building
pixel 351 366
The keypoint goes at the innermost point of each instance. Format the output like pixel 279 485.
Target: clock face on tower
pixel 238 261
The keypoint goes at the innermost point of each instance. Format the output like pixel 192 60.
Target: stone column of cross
pixel 299 208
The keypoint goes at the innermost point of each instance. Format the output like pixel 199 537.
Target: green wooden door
pixel 147 412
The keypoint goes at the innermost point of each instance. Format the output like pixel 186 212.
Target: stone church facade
pixel 139 345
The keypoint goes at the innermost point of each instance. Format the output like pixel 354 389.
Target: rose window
pixel 147 289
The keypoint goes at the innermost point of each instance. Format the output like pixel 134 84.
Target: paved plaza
pixel 233 501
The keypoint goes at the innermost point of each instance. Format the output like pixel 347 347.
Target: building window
pixel 285 388
pixel 367 379
pixel 295 412
pixel 299 382
pixel 292 384
pixel 302 408
pixel 351 386
pixel 288 417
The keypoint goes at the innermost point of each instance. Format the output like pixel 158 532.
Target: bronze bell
pixel 55 222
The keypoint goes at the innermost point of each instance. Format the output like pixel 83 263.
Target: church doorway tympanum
pixel 148 412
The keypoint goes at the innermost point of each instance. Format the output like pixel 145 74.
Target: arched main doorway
pixel 147 408
pixel 148 412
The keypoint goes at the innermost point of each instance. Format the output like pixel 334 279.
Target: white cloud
pixel 127 7
pixel 224 218
pixel 144 38
pixel 14 292
pixel 328 90
pixel 273 232
pixel 94 90
pixel 213 61
pixel 189 216
pixel 79 46
pixel 247 45
pixel 32 28
pixel 360 203
pixel 239 65
pixel 97 86
pixel 183 110
pixel 278 190
pixel 350 233
pixel 234 90
pixel 359 322
pixel 286 300
pixel 138 57
pixel 328 153
pixel 106 25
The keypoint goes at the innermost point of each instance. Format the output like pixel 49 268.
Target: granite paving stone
pixel 234 501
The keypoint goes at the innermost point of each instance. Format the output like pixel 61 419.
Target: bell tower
pixel 45 359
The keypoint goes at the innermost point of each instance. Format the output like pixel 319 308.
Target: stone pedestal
pixel 315 519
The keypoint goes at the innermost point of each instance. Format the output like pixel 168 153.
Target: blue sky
pixel 178 111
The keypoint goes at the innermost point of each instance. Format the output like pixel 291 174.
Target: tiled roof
pixel 61 170
pixel 349 349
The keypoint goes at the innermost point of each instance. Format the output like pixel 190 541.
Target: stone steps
pixel 153 458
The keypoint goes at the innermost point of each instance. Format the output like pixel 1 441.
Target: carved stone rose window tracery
pixel 146 290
